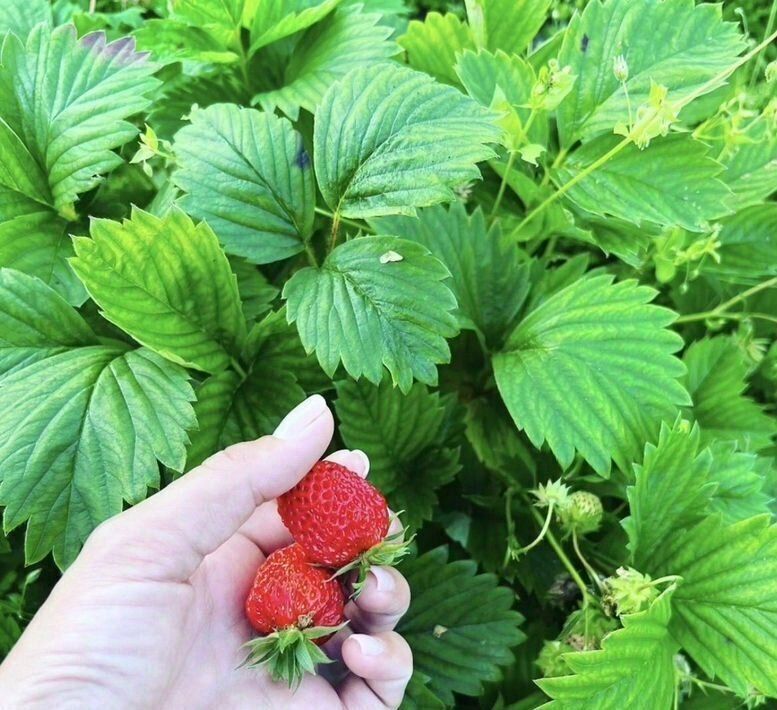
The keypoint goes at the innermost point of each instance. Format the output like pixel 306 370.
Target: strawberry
pixel 340 520
pixel 298 607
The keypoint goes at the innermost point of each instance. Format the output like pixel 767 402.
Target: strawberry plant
pixel 528 251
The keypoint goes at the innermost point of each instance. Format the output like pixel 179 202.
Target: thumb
pixel 168 535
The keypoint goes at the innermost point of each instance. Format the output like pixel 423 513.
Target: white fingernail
pixel 384 580
pixel 365 462
pixel 369 645
pixel 299 418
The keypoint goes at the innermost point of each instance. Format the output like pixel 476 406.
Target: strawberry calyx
pixel 385 554
pixel 288 654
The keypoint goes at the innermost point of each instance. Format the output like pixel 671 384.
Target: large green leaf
pixel 276 19
pixel 507 25
pixel 248 174
pixel 388 140
pixel 404 437
pixel 748 244
pixel 70 120
pixel 432 45
pixel 488 278
pixel 671 491
pixel 167 283
pixel 97 419
pixel 38 244
pixel 725 609
pixel 324 54
pixel 591 370
pixel 375 301
pixel 672 182
pixel 634 668
pixel 717 380
pixel 460 624
pixel 675 43
pixel 20 16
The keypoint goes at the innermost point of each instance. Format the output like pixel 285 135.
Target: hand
pixel 151 613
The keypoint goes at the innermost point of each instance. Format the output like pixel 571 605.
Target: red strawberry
pixel 298 606
pixel 339 519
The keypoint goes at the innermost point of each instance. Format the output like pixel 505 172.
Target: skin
pixel 151 613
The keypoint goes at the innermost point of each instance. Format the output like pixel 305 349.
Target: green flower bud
pixel 550 660
pixel 582 513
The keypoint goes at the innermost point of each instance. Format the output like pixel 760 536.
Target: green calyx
pixel 385 554
pixel 288 654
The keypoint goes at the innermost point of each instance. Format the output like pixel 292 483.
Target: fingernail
pixel 299 418
pixel 369 645
pixel 384 580
pixel 365 461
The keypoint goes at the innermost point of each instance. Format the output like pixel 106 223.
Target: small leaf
pixel 276 19
pixel 388 140
pixel 404 435
pixel 506 25
pixel 591 370
pixel 367 314
pixel 476 614
pixel 167 283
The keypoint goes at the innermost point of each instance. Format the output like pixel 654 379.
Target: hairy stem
pixel 721 311
pixel 503 185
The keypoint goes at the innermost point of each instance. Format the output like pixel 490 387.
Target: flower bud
pixel 620 68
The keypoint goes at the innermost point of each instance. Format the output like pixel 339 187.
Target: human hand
pixel 151 615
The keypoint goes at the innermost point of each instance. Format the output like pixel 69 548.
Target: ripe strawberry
pixel 339 519
pixel 298 606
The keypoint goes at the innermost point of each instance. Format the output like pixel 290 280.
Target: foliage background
pixel 501 271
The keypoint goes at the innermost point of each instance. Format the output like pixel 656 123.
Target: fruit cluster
pixel 339 523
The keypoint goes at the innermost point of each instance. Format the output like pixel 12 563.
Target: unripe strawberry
pixel 297 606
pixel 582 513
pixel 339 519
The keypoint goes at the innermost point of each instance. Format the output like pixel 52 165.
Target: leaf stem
pixel 343 220
pixel 759 62
pixel 588 568
pixel 237 367
pixel 721 310
pixel 335 230
pixel 551 538
pixel 502 185
pixel 311 255
pixel 537 540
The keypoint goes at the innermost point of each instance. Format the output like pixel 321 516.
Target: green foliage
pixel 519 246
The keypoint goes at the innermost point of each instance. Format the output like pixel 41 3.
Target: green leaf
pixel 175 41
pixel 98 418
pixel 35 322
pixel 748 243
pixel 488 278
pixel 20 16
pixel 716 380
pixel 70 121
pixel 507 25
pixel 740 477
pixel 276 19
pixel 672 182
pixel 167 283
pixel 453 611
pixel 388 140
pixel 367 309
pixel 725 610
pixel 634 669
pixel 483 73
pixel 671 491
pixel 324 54
pixel 39 245
pixel 256 292
pixel 404 435
pixel 432 45
pixel 220 18
pixel 675 43
pixel 591 370
pixel 230 410
pixel 248 174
